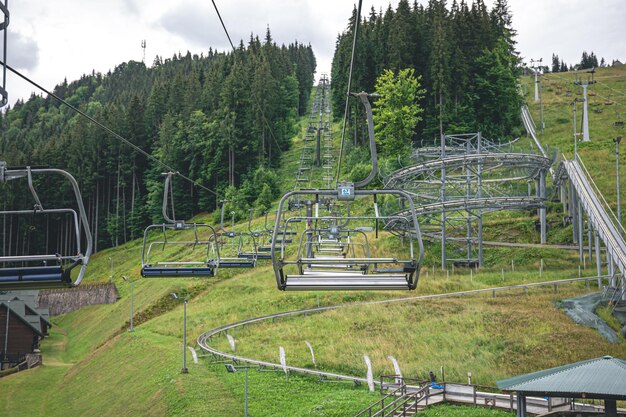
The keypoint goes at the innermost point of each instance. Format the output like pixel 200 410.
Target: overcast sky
pixel 53 40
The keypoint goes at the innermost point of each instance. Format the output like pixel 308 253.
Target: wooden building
pixel 22 326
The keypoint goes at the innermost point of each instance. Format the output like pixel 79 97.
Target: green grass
pixel 599 154
pixel 93 366
pixel 449 410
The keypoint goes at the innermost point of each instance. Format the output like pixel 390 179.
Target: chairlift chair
pixel 48 270
pixel 231 245
pixel 255 236
pixel 202 248
pixel 339 257
pixel 309 268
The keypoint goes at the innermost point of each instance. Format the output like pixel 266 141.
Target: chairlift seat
pixel 254 255
pixel 345 281
pixel 284 240
pixel 332 259
pixel 177 272
pixel 348 267
pixel 41 277
pixel 287 232
pixel 236 263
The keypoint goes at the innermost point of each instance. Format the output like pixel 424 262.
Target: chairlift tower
pixel 4 10
pixel 584 85
pixel 536 71
pixel 574 105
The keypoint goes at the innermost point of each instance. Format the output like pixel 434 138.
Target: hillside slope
pixel 93 366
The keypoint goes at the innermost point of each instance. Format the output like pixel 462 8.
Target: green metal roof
pixel 17 308
pixel 600 377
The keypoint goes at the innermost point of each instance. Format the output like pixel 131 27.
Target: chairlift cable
pixel 255 97
pixel 611 88
pixel 108 130
pixel 223 25
pixel 345 112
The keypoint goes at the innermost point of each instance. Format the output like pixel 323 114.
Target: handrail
pixel 614 219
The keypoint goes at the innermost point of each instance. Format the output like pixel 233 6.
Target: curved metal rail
pixel 454 185
pixel 494 203
pixel 532 163
pixel 603 222
pixel 203 340
pixel 529 125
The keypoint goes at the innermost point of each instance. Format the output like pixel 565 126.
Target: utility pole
pixel 584 85
pixel 183 299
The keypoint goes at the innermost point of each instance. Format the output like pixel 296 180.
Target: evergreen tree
pixel 556 64
pixel 397 111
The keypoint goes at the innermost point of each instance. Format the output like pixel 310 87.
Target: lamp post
pixel 175 296
pixel 233 369
pixel 132 300
pixel 543 125
pixel 617 140
pixel 6 331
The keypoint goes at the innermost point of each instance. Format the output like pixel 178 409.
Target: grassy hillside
pixel 607 105
pixel 94 366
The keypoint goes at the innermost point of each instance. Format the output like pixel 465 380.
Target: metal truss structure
pixel 589 210
pixel 317 149
pixel 455 184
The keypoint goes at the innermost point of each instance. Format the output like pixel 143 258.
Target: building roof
pixel 603 377
pixel 17 308
pixel 29 298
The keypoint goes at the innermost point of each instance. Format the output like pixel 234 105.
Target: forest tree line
pixel 464 54
pixel 221 119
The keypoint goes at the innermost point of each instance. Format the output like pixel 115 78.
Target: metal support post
pixel 589 240
pixel 309 233
pixel 132 304
pixel 585 115
pixel 610 408
pixel 617 140
pixel 574 104
pixel 598 258
pixel 245 406
pixel 184 369
pixel 442 192
pixel 543 125
pixel 572 210
pixel 536 86
pixel 542 211
pixel 480 211
pixel 580 233
pixel 175 296
pixel 6 331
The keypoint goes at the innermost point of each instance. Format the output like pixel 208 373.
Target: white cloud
pixel 22 52
pixel 67 38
